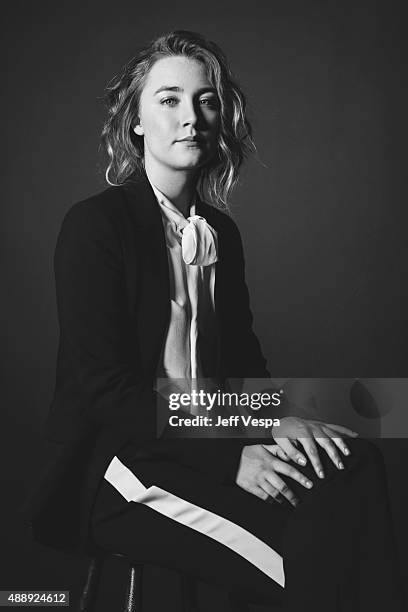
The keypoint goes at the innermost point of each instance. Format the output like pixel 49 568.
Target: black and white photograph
pixel 205 365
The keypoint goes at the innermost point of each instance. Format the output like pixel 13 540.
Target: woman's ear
pixel 137 127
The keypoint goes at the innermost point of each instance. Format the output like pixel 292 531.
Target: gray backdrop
pixel 321 210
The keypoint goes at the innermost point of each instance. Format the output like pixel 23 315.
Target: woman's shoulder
pixel 131 200
pixel 106 203
pixel 97 219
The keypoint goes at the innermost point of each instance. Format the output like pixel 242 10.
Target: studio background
pixel 321 208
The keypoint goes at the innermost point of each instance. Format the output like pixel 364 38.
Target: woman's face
pixel 178 102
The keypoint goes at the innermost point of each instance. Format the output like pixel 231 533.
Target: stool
pixel 133 597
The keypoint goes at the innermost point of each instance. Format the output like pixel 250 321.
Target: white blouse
pixel 192 254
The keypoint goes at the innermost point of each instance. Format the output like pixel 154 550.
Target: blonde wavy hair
pixel 122 95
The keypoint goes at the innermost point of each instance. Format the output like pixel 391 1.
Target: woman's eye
pixel 213 102
pixel 168 101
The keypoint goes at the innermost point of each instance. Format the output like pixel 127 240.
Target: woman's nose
pixel 189 114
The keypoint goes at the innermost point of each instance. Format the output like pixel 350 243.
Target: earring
pixel 138 128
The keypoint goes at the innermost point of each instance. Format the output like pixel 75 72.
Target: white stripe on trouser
pixel 212 525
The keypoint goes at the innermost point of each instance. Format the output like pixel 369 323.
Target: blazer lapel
pixel 150 283
pixel 212 216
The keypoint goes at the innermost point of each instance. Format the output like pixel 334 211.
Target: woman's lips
pixel 191 142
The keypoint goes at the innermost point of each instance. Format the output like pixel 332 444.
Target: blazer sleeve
pixel 94 322
pixel 242 353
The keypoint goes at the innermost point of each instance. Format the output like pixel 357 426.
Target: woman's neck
pixel 178 186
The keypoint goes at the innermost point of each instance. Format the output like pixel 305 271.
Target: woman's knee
pixel 364 458
pixel 365 452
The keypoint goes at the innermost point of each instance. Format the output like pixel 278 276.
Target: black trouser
pixel 337 546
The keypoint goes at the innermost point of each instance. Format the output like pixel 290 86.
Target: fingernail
pixel 309 484
pixel 301 460
pixel 341 466
pixel 321 474
pixel 346 451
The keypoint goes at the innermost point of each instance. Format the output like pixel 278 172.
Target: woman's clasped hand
pixel 263 465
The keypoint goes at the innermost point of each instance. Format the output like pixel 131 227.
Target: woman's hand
pixel 308 432
pixel 259 470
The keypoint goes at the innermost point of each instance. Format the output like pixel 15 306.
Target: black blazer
pixel 112 282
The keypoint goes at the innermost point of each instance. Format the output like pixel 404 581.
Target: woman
pixel 150 284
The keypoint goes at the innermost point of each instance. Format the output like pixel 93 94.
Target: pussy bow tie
pixel 199 243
